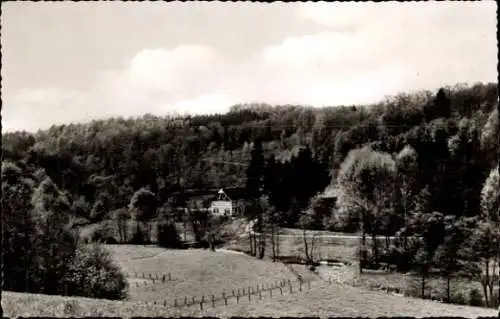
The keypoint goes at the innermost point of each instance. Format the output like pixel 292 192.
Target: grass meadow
pixel 194 272
pixel 344 250
pixel 332 291
pixel 323 300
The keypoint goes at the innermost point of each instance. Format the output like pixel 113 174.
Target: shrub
pixel 93 273
pixel 110 241
pixel 458 298
pixel 168 236
pixel 475 298
pixel 138 237
pixel 494 299
pixel 400 258
pixel 103 233
pixel 96 236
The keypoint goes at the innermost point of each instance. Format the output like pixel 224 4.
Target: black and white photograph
pixel 250 159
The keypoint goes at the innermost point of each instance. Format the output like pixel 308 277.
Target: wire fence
pixel 237 295
pixel 149 278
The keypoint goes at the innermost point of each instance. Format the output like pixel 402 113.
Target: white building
pixel 223 205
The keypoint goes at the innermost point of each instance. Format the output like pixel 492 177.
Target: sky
pixel 67 62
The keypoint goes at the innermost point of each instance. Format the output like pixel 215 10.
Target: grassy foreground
pixel 321 300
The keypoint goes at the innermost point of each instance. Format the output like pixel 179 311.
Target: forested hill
pixel 99 165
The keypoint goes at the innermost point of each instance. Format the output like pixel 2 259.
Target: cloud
pixel 30 108
pixel 371 49
pixel 172 70
pixel 156 80
pixel 204 104
pixel 355 53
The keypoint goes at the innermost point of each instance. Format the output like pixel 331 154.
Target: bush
pixel 103 233
pixel 168 236
pixel 138 237
pixel 494 299
pixel 398 257
pixel 111 241
pixel 93 273
pixel 475 298
pixel 458 298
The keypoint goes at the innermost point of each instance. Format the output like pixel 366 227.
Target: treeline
pixel 100 165
pixel 439 147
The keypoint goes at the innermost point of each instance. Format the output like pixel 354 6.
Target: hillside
pixel 420 168
pixel 100 165
pixel 323 301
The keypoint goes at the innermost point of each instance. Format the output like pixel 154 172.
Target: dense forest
pixel 424 154
pixel 100 165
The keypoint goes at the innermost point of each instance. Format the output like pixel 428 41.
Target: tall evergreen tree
pixel 255 172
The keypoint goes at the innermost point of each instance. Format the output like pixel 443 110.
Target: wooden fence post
pixel 165 303
pixel 238 298
pixel 175 302
pixel 233 292
pixel 185 300
pixel 290 288
pixel 300 286
pixel 309 284
pixel 225 301
pixel 201 305
pixel 271 292
pixel 249 295
pixel 193 301
pixel 169 277
pixel 260 294
pixel 213 301
pixel 281 291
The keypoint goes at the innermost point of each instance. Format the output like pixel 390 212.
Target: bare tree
pixel 121 216
pixel 273 227
pixel 310 240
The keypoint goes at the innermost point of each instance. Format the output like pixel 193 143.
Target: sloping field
pixel 21 304
pixel 321 300
pixel 338 300
pixel 194 272
pixel 202 273
pixel 344 249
